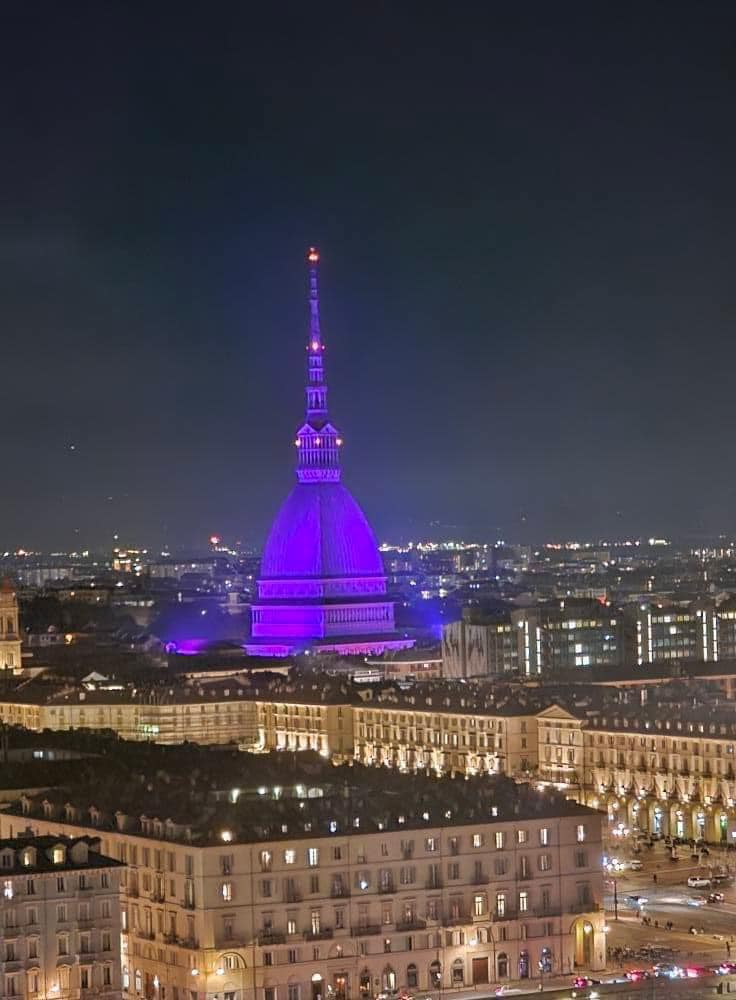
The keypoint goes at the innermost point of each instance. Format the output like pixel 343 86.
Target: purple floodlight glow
pixel 322 584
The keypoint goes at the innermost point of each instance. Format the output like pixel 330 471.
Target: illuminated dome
pixel 320 531
pixel 322 586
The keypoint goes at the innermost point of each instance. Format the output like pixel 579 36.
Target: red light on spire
pixel 313 255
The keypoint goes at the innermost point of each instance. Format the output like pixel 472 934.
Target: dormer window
pixel 26 859
pixel 58 855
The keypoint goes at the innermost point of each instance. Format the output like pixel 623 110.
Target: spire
pixel 317 440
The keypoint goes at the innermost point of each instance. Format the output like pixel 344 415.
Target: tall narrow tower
pixel 10 642
pixel 322 585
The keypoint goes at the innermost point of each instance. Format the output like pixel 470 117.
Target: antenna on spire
pixel 315 334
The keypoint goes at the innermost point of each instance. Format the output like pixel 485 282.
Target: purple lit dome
pixel 320 531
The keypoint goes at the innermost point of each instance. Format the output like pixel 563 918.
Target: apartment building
pixel 670 769
pixel 60 919
pixel 349 881
pixel 209 712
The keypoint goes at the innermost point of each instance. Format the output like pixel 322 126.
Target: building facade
pixel 60 918
pixel 346 915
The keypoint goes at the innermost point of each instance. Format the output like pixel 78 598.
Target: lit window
pixel 500 839
pixel 580 833
pixel 312 856
pixel 477 840
pixel 226 891
pixel 544 836
pixel 289 857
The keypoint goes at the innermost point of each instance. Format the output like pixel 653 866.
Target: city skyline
pixel 526 242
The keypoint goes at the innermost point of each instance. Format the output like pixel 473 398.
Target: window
pixel 107 975
pixel 226 891
pixel 499 838
pixel 226 864
pixel 477 840
pixel 266 887
pixel 292 956
pixel 581 859
pixel 431 844
pixel 58 855
pixel 8 889
pixel 479 904
pixel 84 978
pixel 545 862
pixel 60 886
pixel 106 941
pixel 544 836
pixel 453 870
pixel 32 948
pixel 312 856
pixel 523 902
pixel 267 860
pixel 62 945
pixel 500 904
pixel 291 925
pixel 293 991
pixel 268 958
pixel 580 833
pixel 269 993
pixel 289 857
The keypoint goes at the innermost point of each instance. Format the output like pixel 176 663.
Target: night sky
pixel 527 223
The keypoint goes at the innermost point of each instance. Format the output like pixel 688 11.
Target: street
pixel 670 900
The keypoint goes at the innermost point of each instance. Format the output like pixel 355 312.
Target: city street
pixel 669 899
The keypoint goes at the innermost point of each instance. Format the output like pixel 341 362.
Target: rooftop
pixel 37 855
pixel 202 796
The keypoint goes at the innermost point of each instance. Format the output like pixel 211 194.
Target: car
pixel 636 865
pixel 580 982
pixel 697 901
pixel 637 900
pixel 698 882
pixel 637 975
pixel 715 897
pixel 506 991
pixel 695 971
pixel 667 970
pixel 727 968
pixel 720 878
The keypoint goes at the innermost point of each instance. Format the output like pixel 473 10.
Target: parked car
pixel 698 882
pixel 720 878
pixel 636 865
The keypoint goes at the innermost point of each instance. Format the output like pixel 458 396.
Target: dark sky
pixel 526 215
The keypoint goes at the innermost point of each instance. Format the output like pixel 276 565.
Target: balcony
pixel 547 911
pixel 480 878
pixel 145 935
pixel 459 920
pixel 191 943
pixel 322 935
pixel 589 907
pixel 133 891
pixel 508 913
pixel 269 937
pixel 158 897
pixel 188 904
pixel 414 924
pixel 365 930
pixel 292 896
pixel 387 888
pixel 433 883
pixel 340 892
